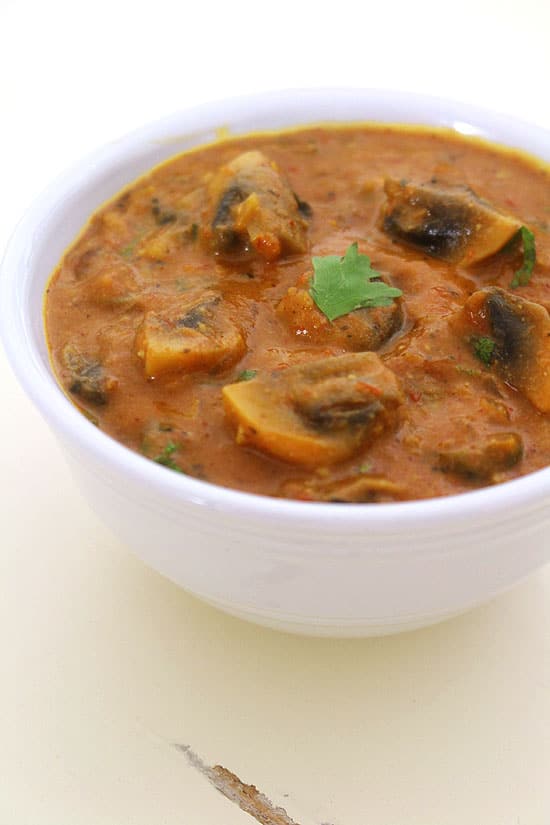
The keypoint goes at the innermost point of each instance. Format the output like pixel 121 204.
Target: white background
pixel 104 664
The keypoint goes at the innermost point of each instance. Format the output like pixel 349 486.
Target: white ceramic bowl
pixel 330 569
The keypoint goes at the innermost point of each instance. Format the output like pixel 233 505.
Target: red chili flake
pixel 363 386
pixel 414 395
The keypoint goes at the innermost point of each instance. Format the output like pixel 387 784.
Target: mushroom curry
pixel 348 314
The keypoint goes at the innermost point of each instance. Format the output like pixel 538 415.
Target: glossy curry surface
pixel 182 321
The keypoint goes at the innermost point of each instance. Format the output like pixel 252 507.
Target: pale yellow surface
pixel 105 665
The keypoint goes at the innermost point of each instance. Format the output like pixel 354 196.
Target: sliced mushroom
pixel 485 458
pixel 87 377
pixel 315 413
pixel 448 222
pixel 358 489
pixel 361 330
pixel 196 334
pixel 253 207
pixel 116 284
pixel 166 240
pixel 520 330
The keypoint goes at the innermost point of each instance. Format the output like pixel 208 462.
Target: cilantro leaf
pixel 523 275
pixel 165 457
pixel 247 375
pixel 366 467
pixel 340 285
pixel 484 349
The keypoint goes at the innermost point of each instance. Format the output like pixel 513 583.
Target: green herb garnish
pixel 128 251
pixel 162 216
pixel 366 467
pixel 340 285
pixel 247 375
pixel 467 370
pixel 523 275
pixel 165 457
pixel 484 349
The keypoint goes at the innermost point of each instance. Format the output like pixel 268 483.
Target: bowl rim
pixel 527 492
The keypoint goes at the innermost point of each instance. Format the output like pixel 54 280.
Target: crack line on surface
pixel 247 797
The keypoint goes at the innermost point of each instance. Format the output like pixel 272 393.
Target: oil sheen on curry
pixel 345 314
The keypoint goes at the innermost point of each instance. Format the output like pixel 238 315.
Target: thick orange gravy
pixel 461 417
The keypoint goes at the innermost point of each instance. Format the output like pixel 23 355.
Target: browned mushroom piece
pixel 315 413
pixel 520 334
pixel 358 331
pixel 106 279
pixel 357 489
pixel 484 458
pixel 448 222
pixel 87 377
pixel 253 208
pixel 194 334
pixel 115 285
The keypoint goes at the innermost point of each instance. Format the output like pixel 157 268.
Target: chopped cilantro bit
pixel 484 349
pixel 162 216
pixel 366 467
pixel 247 375
pixel 523 275
pixel 467 370
pixel 340 285
pixel 128 251
pixel 165 457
